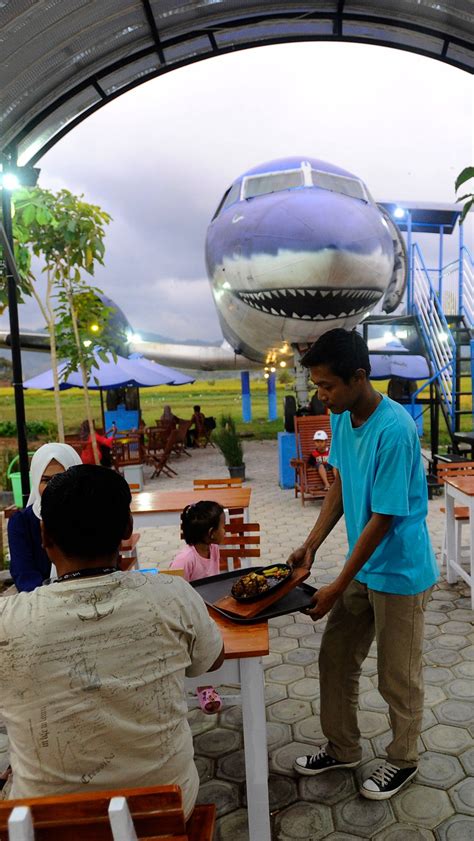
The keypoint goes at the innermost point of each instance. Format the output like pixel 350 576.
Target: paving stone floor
pixel 440 804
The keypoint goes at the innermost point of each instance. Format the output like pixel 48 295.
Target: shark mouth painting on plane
pixel 311 304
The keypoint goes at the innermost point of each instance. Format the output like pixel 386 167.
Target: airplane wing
pixel 196 357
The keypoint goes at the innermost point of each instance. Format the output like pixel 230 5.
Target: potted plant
pixel 230 445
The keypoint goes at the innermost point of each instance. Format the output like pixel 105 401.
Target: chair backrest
pixel 448 469
pixel 242 540
pixel 182 432
pixel 305 427
pixel 157 813
pixel 75 442
pixel 128 450
pixel 200 484
pixel 156 437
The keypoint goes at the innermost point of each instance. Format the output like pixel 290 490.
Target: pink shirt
pixel 194 565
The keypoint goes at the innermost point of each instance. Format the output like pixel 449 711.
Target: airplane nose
pixel 315 219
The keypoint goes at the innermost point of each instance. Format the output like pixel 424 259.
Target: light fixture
pixel 399 213
pixel 273 369
pixel 95 328
pixel 282 364
pixel 87 343
pixel 266 375
pixel 12 177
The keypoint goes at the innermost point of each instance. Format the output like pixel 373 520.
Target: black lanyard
pixel 85 573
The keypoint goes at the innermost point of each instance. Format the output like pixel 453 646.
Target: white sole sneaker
pixel 386 795
pixel 308 772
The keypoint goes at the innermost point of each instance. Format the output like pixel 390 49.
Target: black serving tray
pixel 215 587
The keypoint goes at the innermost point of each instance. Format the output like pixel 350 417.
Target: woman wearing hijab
pixel 29 563
pixel 168 418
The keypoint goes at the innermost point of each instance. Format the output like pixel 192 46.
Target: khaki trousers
pixel 397 623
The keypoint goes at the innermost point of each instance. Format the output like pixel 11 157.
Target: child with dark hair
pixel 319 455
pixel 203 526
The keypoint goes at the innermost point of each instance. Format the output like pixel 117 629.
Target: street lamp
pixel 12 177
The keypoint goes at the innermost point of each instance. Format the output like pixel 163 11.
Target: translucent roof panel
pixel 62 59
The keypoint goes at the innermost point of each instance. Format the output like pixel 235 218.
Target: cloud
pixel 160 157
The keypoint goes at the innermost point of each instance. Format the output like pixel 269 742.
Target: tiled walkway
pixel 440 805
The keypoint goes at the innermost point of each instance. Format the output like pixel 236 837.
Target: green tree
pixel 67 234
pixel 467 174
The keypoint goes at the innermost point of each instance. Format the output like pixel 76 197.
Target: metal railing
pixel 437 337
pixel 466 286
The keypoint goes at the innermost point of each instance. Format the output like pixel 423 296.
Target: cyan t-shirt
pixel 382 472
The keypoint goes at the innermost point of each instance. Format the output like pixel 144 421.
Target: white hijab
pixel 62 453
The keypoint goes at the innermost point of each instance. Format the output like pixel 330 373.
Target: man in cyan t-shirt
pixel 385 584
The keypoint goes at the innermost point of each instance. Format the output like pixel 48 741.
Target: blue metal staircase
pixel 444 315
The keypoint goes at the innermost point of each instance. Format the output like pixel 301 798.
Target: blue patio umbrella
pixel 110 374
pixel 178 377
pixel 405 366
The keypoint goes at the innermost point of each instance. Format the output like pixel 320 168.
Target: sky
pixel 159 158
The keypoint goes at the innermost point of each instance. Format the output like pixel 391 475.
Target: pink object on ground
pixel 209 700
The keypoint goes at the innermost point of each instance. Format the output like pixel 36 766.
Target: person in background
pixel 319 455
pixel 198 421
pixel 29 563
pixel 93 666
pixel 203 527
pixel 168 418
pixel 104 444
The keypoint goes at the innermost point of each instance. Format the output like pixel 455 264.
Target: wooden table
pixel 161 508
pixel 244 647
pixel 459 489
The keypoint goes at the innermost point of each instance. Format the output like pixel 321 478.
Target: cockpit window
pixel 258 185
pixel 339 184
pixel 230 196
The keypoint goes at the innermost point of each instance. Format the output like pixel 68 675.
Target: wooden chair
pixel 160 461
pixel 308 482
pixel 242 540
pixel 204 484
pixel 155 439
pixel 128 451
pixel 181 438
pixel 156 812
pixel 75 442
pixel 128 553
pixel 449 469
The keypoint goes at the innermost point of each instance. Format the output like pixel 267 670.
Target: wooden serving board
pixel 253 608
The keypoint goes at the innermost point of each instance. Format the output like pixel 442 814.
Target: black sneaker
pixel 385 781
pixel 319 762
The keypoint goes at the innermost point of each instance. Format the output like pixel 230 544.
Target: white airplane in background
pixel 296 247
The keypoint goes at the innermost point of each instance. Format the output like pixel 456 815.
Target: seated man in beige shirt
pixel 92 666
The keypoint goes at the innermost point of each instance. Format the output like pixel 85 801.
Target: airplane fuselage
pixel 296 247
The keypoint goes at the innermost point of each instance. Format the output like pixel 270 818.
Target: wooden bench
pixel 308 482
pixel 156 813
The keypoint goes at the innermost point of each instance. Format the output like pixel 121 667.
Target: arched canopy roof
pixel 63 59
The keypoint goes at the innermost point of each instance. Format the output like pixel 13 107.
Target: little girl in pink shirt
pixel 203 527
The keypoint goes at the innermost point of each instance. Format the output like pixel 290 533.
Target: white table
pixel 244 647
pixel 459 489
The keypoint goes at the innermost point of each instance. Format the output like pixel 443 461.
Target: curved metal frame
pixel 160 46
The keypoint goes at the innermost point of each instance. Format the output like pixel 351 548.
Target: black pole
pixel 16 352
